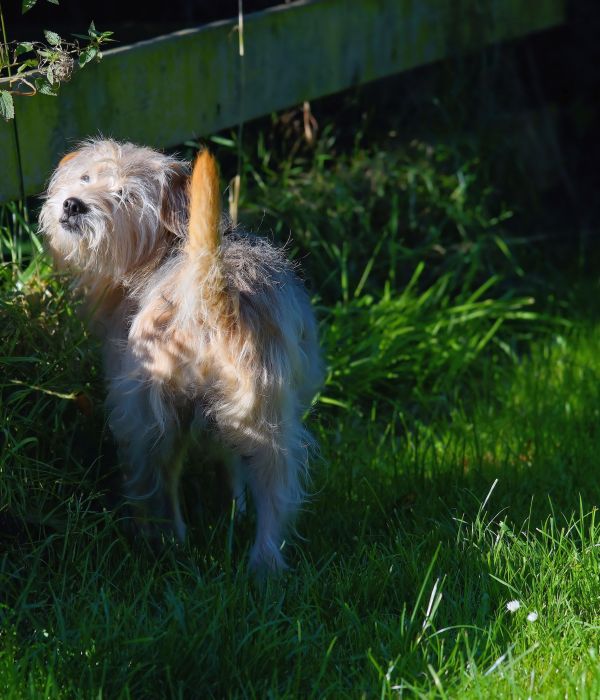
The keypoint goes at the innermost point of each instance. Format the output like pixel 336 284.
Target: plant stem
pixel 14 121
pixel 4 45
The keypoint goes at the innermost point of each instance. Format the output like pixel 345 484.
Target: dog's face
pixel 110 207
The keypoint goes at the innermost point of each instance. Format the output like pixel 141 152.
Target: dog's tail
pixel 205 207
pixel 203 245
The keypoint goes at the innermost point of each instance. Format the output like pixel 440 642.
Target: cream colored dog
pixel 206 332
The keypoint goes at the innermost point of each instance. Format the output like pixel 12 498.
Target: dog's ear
pixel 67 157
pixel 174 208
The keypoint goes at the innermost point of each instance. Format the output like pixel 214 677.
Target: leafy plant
pixel 32 67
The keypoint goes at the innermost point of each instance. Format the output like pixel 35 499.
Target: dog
pixel 208 333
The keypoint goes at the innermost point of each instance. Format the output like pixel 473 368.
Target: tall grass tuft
pixel 418 347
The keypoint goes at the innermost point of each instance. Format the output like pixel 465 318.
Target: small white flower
pixel 513 605
pixel 532 617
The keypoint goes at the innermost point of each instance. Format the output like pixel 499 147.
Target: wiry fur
pixel 204 333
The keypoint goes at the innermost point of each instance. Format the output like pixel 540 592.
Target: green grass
pixel 459 433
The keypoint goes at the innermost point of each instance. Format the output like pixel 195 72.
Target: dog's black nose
pixel 73 206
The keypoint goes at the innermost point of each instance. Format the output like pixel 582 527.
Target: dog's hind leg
pixel 275 474
pixel 153 452
pixel 172 466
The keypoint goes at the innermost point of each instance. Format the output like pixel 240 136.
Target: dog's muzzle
pixel 72 209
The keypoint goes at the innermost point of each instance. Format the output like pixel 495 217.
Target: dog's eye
pixel 85 178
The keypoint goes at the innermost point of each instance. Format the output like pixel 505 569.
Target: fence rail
pixel 193 82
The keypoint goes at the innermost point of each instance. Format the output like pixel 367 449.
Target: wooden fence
pixel 194 82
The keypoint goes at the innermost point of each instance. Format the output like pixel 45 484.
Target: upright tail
pixel 205 207
pixel 204 240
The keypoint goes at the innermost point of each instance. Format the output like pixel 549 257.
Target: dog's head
pixel 113 207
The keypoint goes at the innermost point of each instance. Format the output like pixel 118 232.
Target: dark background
pixel 131 21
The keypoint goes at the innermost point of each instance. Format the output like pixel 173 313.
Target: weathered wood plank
pixel 193 82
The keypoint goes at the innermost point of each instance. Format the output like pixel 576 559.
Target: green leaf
pixel 52 37
pixel 94 35
pixel 42 85
pixel 23 47
pixel 26 5
pixel 26 65
pixel 87 55
pixel 220 141
pixel 54 2
pixel 7 107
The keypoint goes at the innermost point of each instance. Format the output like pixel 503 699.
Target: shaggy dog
pixel 206 332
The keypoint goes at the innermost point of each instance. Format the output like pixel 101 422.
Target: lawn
pixel 459 438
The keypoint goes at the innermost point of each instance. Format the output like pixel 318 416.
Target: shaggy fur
pixel 205 333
